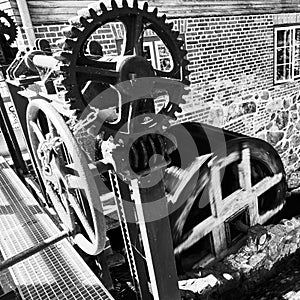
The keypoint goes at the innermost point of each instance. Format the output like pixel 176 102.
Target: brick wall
pixel 50 32
pixel 54 32
pixel 232 69
pixel 232 87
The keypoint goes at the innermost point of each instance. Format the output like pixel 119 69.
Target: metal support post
pixel 20 104
pixel 11 141
pixel 156 238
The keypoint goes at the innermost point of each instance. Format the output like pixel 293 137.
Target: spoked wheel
pixel 69 182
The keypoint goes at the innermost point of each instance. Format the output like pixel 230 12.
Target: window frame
pixel 292 56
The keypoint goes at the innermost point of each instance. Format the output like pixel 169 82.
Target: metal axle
pixel 33 250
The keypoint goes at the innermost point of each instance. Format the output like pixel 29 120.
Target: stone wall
pixel 265 250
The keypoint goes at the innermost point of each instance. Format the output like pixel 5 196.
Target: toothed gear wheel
pixel 7 27
pixel 79 68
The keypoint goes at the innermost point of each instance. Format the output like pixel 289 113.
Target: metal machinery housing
pixel 93 127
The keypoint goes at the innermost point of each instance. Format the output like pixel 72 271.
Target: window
pixel 158 55
pixel 287 54
pixel 149 53
pixel 164 59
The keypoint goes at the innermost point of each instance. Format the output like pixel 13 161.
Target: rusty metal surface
pixel 57 272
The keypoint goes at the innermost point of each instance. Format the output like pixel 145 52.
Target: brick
pixel 54 28
pixel 42 29
pixel 50 34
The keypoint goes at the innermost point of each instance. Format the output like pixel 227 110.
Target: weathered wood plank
pixel 57 11
pixel 266 184
pixel 220 8
pixel 53 4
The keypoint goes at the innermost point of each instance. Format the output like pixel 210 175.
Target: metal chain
pixel 125 232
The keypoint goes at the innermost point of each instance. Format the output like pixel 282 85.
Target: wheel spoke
pixel 52 129
pixel 82 217
pixel 62 210
pixel 37 131
pixel 71 181
pixel 134 29
pixel 66 173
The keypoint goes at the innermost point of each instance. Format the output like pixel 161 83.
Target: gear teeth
pixel 180 43
pixel 103 7
pixel 71 32
pixel 152 146
pixel 65 44
pixel 184 52
pixel 84 22
pixel 10 30
pixel 145 153
pixel 135 4
pixel 135 156
pixel 182 100
pixel 170 114
pixel 175 108
pixel 187 72
pixel 95 7
pixel 125 4
pixel 84 12
pixel 185 92
pixel 185 62
pixel 170 25
pixel 93 13
pixel 75 21
pixel 186 82
pixel 161 143
pixel 88 21
pixel 146 6
pixel 114 4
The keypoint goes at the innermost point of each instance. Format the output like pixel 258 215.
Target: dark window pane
pixel 287 37
pixel 279 74
pixel 280 38
pixel 297 35
pixel 297 52
pixel 283 55
pixel 284 72
pixel 280 56
pixel 288 72
pixel 297 68
pixel 287 55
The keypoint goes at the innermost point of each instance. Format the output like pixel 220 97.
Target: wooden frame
pixel 244 198
pixel 290 60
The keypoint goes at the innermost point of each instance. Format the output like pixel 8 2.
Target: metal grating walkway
pixel 58 272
